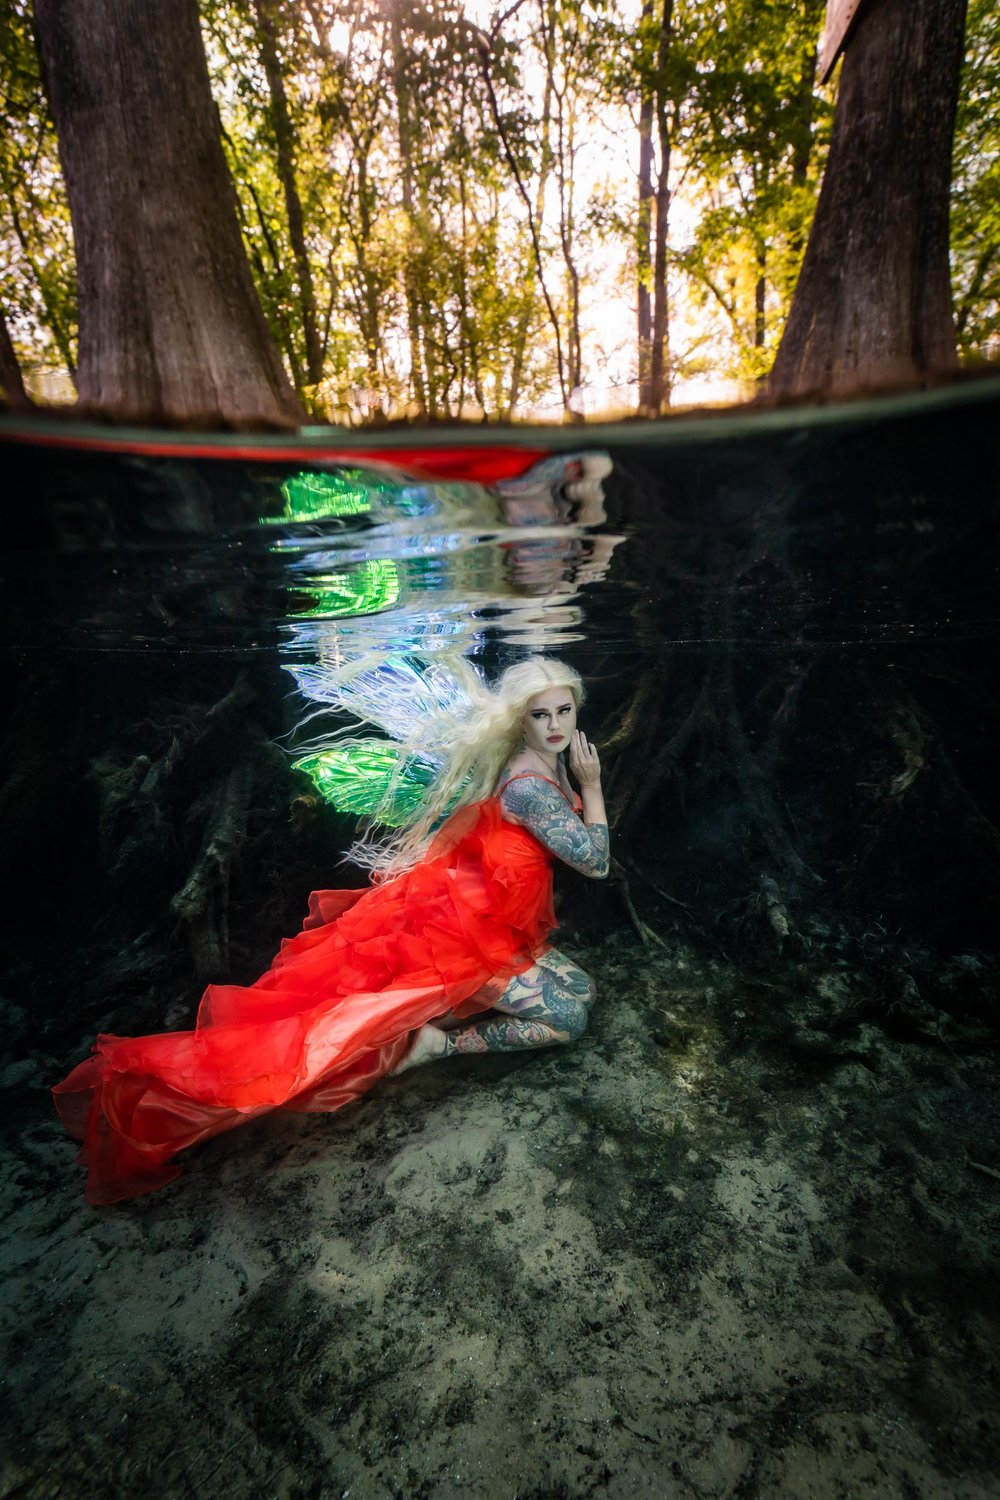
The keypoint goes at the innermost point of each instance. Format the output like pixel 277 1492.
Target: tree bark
pixel 873 302
pixel 11 380
pixel 170 326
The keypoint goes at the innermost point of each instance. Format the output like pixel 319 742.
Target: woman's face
pixel 549 720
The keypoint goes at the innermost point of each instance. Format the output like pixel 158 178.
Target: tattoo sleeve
pixel 543 809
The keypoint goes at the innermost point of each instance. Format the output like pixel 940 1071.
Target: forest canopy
pixel 549 208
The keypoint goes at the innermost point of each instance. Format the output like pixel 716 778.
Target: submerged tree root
pixel 778 785
pixel 202 903
pixel 170 849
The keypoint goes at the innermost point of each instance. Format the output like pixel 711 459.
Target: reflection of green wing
pixel 316 497
pixel 364 589
pixel 370 777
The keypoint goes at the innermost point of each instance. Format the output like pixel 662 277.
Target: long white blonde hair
pixel 472 744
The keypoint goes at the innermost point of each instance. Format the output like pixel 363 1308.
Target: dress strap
pixel 537 776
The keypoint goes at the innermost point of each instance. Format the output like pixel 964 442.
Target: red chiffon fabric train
pixel 333 1013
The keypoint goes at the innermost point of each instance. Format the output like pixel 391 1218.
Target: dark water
pixel 741 1240
pixel 788 625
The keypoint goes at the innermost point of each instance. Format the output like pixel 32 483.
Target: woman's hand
pixel 583 760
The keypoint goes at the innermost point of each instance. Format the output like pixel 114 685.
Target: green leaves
pixel 37 282
pixel 443 204
pixel 754 137
pixel 975 202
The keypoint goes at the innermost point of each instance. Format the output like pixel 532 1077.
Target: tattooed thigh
pixel 572 978
pixel 540 995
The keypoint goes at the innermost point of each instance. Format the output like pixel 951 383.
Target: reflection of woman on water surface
pixel 448 953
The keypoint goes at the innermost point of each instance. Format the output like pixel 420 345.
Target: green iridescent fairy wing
pixel 371 778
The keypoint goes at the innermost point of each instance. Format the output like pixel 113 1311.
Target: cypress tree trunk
pixel 170 326
pixel 873 301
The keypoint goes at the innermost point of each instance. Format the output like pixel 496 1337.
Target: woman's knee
pixel 573 1017
pixel 558 999
pixel 571 979
pixel 583 988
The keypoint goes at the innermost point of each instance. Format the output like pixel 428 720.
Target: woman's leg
pixel 572 978
pixel 545 1006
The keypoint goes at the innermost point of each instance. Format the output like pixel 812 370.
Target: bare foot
pixel 428 1043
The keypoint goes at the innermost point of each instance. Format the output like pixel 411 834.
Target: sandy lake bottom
pixel 741 1240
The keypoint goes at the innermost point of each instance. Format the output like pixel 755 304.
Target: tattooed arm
pixel 543 809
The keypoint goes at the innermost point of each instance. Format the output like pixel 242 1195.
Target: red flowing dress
pixel 333 1013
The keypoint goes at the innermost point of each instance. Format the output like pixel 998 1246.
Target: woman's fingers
pixel 583 758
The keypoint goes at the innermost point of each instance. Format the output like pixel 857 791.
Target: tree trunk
pixel 643 246
pixel 284 141
pixel 170 326
pixel 659 372
pixel 405 136
pixel 11 380
pixel 534 211
pixel 873 301
pixel 803 115
pixel 760 300
pixel 523 326
pixel 567 230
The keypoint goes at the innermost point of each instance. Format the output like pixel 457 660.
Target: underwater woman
pixel 446 953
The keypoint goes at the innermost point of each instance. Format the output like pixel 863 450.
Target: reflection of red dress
pixel 333 1013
